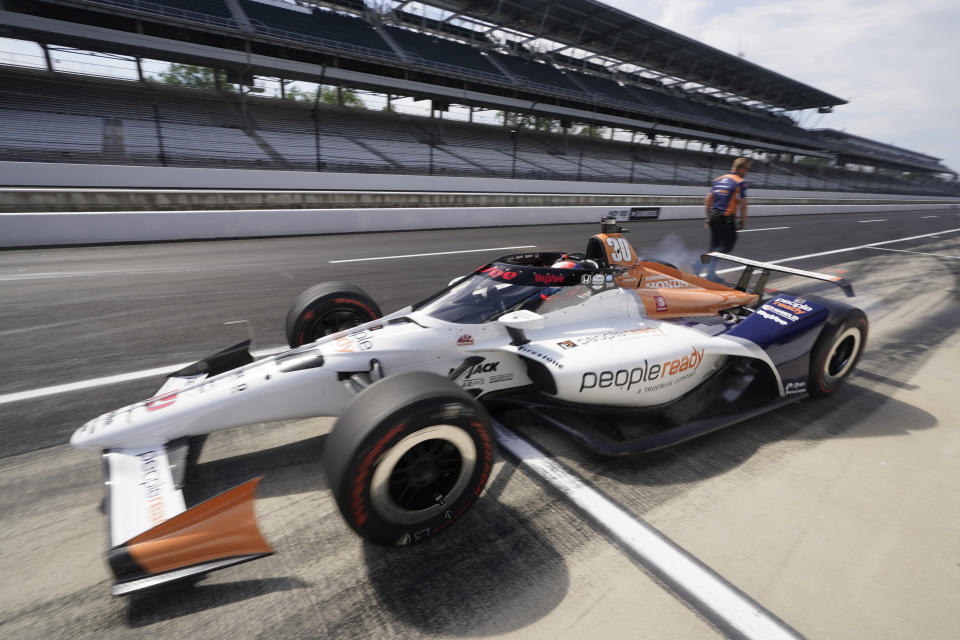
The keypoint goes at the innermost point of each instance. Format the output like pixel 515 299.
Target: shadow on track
pixel 495 573
pixel 178 601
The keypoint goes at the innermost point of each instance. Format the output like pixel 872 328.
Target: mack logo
pixel 626 379
pixel 548 278
pixel 477 369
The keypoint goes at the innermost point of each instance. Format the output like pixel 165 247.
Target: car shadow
pixel 494 574
pixel 177 601
pixel 288 469
pixel 855 412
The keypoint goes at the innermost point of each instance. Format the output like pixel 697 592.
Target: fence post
pixel 580 163
pixel 156 121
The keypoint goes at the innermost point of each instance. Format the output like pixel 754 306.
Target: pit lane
pixel 522 563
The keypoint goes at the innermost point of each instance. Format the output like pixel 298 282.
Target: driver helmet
pixel 566 263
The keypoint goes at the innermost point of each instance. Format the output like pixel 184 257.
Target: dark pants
pixel 723 235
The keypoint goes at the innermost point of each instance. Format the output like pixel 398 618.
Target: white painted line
pixel 919 253
pixel 137 375
pixel 108 380
pixel 925 217
pixel 691 580
pixel 878 220
pixel 845 249
pixel 436 253
pixel 766 229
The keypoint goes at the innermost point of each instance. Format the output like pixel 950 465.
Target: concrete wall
pixel 40 174
pixel 44 229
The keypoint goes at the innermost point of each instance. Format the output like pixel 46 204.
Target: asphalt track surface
pixel 523 562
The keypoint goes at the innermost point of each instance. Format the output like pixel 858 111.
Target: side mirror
pixel 522 320
pixel 517 322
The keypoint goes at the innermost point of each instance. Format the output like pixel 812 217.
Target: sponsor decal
pixel 769 316
pixel 795 387
pixel 657 281
pixel 661 303
pixel 627 379
pixel 548 278
pixel 780 312
pixel 471 382
pixel 613 335
pixel 152 486
pixel 567 344
pixel 635 213
pixel 609 277
pixel 356 341
pixel 499 274
pixel 796 307
pixel 540 356
pixel 161 402
pixel 465 341
pixel 644 213
pixel 500 377
pixel 483 367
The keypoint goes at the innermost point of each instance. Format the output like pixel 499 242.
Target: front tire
pixel 409 456
pixel 836 353
pixel 328 308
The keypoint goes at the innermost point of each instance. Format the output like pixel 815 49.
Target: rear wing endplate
pixel 767 267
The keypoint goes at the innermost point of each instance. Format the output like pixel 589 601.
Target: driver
pixel 572 262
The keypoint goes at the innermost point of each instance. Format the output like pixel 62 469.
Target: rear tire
pixel 836 353
pixel 408 457
pixel 328 308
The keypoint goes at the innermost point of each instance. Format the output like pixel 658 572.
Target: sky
pixel 894 60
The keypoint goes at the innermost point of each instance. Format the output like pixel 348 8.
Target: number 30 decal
pixel 619 249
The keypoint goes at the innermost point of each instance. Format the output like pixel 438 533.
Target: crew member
pixel 729 193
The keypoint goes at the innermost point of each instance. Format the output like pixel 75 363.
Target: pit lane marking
pixel 435 253
pixel 146 373
pixel 845 249
pixel 30 394
pixel 877 220
pixel 925 217
pixel 764 229
pixel 705 590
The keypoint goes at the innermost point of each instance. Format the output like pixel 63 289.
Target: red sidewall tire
pixel 386 420
pixel 328 308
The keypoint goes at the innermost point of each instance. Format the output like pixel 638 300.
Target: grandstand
pixel 529 59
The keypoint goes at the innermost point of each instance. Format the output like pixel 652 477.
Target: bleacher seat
pixel 443 53
pixel 319 26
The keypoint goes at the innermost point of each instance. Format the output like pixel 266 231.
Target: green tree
pixel 590 131
pixel 194 77
pixel 328 95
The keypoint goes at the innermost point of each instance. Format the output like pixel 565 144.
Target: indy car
pixel 625 354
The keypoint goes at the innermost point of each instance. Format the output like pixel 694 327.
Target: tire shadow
pixel 494 574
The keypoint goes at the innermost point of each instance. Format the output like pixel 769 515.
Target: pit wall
pixel 99 227
pixel 46 229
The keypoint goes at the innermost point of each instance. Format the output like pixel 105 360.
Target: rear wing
pixel 767 267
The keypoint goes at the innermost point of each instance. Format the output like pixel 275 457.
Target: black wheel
pixel 657 261
pixel 836 352
pixel 328 308
pixel 408 457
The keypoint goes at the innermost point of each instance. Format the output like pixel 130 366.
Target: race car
pixel 624 353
